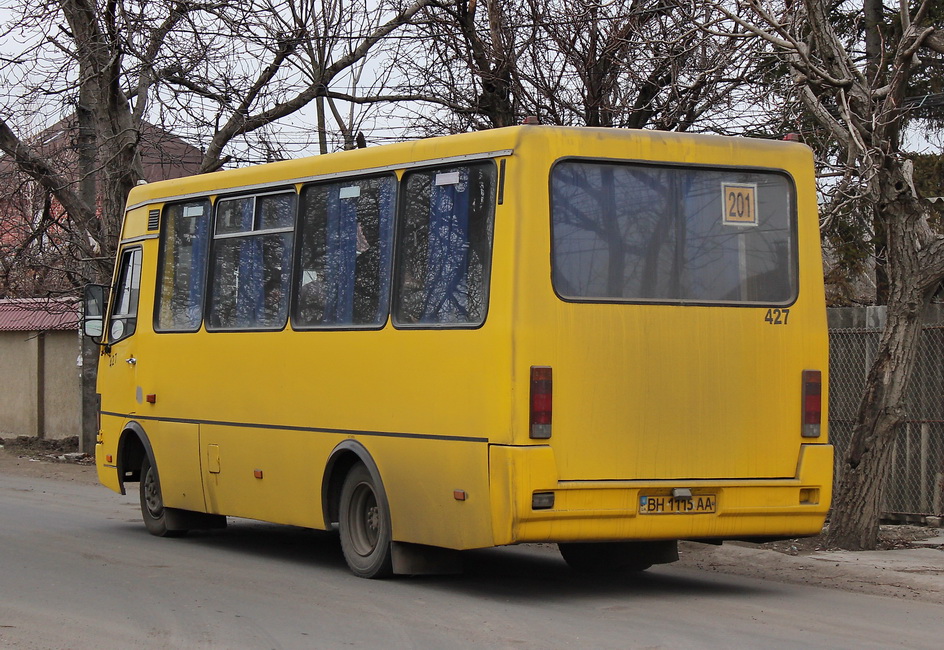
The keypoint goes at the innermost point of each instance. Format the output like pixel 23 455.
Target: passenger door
pixel 118 379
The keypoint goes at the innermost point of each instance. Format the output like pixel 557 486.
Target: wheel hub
pixel 373 519
pixel 152 495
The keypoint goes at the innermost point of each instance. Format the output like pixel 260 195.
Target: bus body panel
pixel 176 448
pixel 695 393
pixel 280 408
pixel 663 391
pixel 438 491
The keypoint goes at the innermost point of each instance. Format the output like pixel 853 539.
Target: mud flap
pixel 177 519
pixel 419 559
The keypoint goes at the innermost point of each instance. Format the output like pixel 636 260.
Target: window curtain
pixel 340 258
pixel 448 253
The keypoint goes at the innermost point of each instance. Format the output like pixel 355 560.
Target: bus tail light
pixel 541 402
pixel 812 403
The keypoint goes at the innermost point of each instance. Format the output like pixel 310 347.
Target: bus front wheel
pixel 364 525
pixel 152 502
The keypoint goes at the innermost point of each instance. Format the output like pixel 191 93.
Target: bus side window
pixel 346 232
pixel 185 238
pixel 251 262
pixel 124 313
pixel 444 246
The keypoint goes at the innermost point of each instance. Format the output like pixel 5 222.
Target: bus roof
pixel 489 143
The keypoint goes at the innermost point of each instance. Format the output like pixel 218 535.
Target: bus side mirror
pixel 93 318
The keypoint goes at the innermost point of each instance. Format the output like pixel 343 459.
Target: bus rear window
pixel 648 233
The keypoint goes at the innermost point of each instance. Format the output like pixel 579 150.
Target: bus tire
pixel 152 502
pixel 364 525
pixel 609 558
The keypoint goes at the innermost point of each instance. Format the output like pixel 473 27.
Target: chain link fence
pixel 915 487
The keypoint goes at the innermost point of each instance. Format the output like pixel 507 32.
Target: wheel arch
pixel 340 461
pixel 133 446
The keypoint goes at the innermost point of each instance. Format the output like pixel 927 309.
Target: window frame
pixel 161 258
pixel 445 166
pixel 792 216
pixel 210 275
pixel 130 318
pixel 391 270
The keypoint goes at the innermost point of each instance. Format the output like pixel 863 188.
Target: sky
pixel 294 135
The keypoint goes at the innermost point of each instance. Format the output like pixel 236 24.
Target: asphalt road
pixel 78 570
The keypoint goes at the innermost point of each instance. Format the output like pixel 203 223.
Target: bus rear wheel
pixel 152 502
pixel 364 525
pixel 609 558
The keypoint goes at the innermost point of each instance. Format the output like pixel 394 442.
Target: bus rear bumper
pixel 616 510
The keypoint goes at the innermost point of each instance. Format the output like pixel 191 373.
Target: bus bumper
pixel 611 510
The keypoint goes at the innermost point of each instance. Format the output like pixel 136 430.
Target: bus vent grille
pixel 154 219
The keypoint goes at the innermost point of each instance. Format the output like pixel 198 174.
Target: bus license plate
pixel 666 505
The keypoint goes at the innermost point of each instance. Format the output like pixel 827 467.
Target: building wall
pixel 18 383
pixel 63 402
pixel 20 357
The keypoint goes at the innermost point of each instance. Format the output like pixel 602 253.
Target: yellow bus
pixel 608 339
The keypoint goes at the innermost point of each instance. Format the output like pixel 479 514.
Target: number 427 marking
pixel 777 316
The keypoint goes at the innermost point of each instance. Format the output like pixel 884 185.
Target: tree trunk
pixel 857 504
pixel 862 475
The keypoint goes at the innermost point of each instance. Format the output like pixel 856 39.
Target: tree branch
pixel 42 171
pixel 240 123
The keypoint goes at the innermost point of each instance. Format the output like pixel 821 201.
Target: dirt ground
pixel 56 459
pixel 910 564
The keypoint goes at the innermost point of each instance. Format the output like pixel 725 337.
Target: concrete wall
pixel 18 383
pixel 40 390
pixel 63 413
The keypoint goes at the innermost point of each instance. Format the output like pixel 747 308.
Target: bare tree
pixel 27 251
pixel 855 90
pixel 216 71
pixel 482 64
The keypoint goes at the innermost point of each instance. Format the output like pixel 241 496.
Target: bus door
pixel 130 384
pixel 118 379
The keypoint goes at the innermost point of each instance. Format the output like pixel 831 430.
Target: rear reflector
pixel 809 496
pixel 541 402
pixel 812 403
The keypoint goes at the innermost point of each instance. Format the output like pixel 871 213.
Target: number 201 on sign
pixel 740 204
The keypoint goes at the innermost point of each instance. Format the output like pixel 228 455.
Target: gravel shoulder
pixel 911 564
pixel 911 573
pixel 53 462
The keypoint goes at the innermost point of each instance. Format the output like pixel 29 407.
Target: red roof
pixel 38 315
